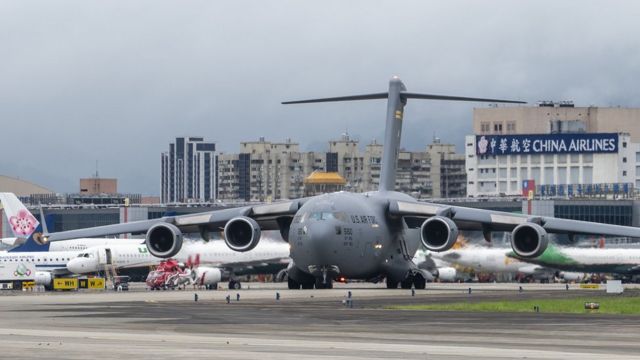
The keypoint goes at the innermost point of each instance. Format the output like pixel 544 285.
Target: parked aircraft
pixel 49 259
pixel 369 236
pixel 625 262
pixel 439 270
pixel 212 262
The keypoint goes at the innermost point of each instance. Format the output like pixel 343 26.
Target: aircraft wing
pixel 488 220
pixel 268 217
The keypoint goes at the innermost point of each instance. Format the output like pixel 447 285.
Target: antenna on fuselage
pixel 397 99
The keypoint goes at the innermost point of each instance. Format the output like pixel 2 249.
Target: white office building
pixel 566 158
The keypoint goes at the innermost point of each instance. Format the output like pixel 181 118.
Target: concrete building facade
pixel 267 171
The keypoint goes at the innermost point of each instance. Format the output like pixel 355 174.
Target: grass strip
pixel 608 305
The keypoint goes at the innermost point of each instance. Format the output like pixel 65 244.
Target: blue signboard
pixel 546 144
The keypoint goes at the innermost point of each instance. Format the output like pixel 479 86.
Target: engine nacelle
pixel 241 233
pixel 43 278
pixel 571 276
pixel 438 233
pixel 207 275
pixel 447 274
pixel 529 240
pixel 164 240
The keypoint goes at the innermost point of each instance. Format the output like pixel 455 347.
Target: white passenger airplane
pixel 496 260
pixel 218 261
pixel 623 262
pixel 48 259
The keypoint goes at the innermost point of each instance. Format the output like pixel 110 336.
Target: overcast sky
pixel 116 81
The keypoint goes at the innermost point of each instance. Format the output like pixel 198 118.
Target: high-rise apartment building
pixel 189 171
pixel 266 171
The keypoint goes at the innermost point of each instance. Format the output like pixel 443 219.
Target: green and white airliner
pixel 589 260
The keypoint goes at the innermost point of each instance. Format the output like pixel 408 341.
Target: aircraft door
pixel 104 256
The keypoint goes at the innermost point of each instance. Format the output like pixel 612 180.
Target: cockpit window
pixel 321 215
pixel 342 216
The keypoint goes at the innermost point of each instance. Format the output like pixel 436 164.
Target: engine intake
pixel 529 240
pixel 164 240
pixel 241 234
pixel 438 233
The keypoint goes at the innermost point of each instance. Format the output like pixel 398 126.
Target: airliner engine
pixel 446 274
pixel 571 276
pixel 43 278
pixel 164 240
pixel 207 275
pixel 529 240
pixel 241 233
pixel 439 233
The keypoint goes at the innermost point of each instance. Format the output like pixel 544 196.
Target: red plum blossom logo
pixel 24 223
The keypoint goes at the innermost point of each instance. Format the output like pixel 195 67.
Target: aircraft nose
pixel 77 266
pixel 322 240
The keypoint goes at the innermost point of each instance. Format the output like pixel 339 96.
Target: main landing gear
pixel 235 285
pixel 413 280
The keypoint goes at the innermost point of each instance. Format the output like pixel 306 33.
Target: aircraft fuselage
pixel 349 234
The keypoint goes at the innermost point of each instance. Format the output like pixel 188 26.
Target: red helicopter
pixel 170 274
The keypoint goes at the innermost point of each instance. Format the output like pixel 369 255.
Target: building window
pixel 624 159
pixel 485 127
pixel 624 172
pixel 511 127
pixel 497 128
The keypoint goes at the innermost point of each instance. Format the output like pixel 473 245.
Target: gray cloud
pixel 116 81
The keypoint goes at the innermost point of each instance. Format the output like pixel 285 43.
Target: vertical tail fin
pixel 396 100
pixel 22 223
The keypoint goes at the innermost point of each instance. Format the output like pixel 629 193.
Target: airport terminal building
pixel 556 150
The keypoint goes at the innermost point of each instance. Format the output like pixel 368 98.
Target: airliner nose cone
pixel 76 266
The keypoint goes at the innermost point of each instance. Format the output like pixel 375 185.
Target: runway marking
pixel 285 345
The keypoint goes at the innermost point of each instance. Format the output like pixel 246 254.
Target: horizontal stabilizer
pixel 406 95
pixel 340 98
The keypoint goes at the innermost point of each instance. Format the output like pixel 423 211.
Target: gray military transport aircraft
pixel 369 236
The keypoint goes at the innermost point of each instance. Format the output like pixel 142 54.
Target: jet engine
pixel 529 240
pixel 438 233
pixel 204 275
pixel 447 274
pixel 571 276
pixel 164 240
pixel 241 233
pixel 43 278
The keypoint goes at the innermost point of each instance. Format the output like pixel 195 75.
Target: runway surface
pixel 306 324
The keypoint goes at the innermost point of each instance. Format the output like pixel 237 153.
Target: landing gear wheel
pixel 293 285
pixel 235 285
pixel 392 284
pixel 324 285
pixel 307 286
pixel 419 282
pixel 407 283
